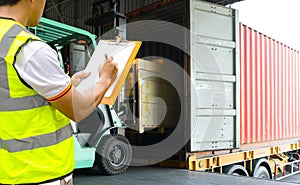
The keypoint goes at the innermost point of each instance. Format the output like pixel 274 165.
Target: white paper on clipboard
pixel 121 52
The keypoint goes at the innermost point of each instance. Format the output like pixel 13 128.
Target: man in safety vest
pixel 37 101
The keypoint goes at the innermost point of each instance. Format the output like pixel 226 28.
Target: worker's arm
pixel 39 67
pixel 78 105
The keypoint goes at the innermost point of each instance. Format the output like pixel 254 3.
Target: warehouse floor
pixel 162 176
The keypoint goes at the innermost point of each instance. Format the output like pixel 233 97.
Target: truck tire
pixel 113 155
pixel 261 173
pixel 237 170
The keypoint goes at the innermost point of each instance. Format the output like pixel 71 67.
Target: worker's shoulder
pixel 36 49
pixel 38 46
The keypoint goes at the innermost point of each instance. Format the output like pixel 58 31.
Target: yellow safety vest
pixel 36 142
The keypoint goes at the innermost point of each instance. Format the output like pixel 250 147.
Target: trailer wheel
pixel 113 155
pixel 262 173
pixel 237 170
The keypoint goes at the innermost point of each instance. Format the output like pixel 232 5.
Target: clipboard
pixel 123 53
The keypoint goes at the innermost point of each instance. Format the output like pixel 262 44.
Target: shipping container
pixel 207 77
pixel 269 111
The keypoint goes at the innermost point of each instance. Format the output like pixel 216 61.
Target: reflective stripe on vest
pixel 6 102
pixel 18 145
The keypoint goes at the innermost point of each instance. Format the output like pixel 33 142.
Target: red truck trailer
pixel 269 111
pixel 269 88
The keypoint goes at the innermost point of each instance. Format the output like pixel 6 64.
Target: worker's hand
pixel 77 77
pixel 108 72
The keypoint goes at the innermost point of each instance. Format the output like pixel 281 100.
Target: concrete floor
pixel 294 178
pixel 162 176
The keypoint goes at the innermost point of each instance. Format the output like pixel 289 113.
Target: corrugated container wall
pixel 270 79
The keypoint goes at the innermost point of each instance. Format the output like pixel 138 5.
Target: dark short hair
pixel 8 2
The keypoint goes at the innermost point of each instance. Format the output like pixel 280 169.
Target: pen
pixel 105 56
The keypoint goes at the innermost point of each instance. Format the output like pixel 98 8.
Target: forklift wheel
pixel 113 155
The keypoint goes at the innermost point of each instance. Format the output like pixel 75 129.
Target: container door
pixel 214 77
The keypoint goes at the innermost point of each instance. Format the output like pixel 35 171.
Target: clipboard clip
pixel 118 41
pixel 118 38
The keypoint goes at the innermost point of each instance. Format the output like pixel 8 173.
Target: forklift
pixel 100 138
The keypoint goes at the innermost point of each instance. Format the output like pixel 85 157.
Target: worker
pixel 37 101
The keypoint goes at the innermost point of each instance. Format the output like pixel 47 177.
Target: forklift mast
pixel 103 21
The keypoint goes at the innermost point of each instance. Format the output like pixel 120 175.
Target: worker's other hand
pixel 77 77
pixel 108 72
